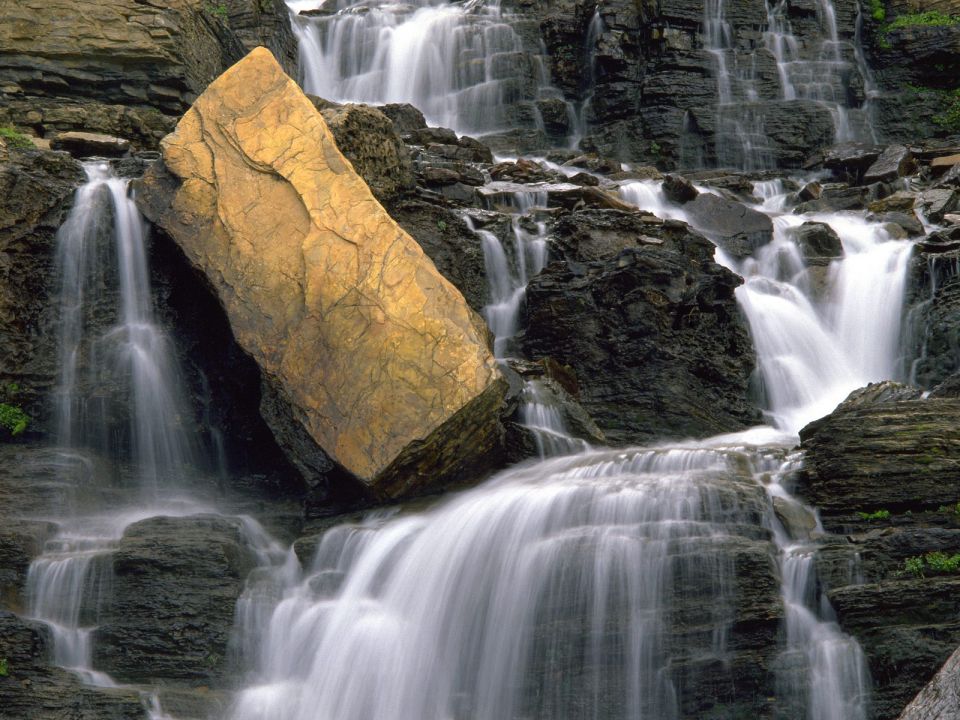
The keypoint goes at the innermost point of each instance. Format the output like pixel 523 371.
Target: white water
pixel 462 65
pixel 562 569
pixel 813 348
pixel 124 369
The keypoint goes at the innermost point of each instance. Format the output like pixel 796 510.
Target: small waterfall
pixel 820 74
pixel 118 376
pixel 129 362
pixel 594 31
pixel 812 352
pixel 823 69
pixel 739 139
pixel 509 269
pixel 462 65
pixel 823 673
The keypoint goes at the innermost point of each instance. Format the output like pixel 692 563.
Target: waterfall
pixel 546 593
pixel 128 362
pixel 462 65
pixel 820 70
pixel 509 269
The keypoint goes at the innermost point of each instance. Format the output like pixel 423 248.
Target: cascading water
pixel 130 360
pixel 821 69
pixel 118 378
pixel 462 65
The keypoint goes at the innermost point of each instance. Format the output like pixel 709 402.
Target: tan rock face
pixel 376 355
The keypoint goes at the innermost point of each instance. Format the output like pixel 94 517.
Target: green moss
pixel 877 11
pixel 877 515
pixel 949 119
pixel 14 138
pixel 4 667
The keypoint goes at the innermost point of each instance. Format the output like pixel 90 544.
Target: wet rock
pixel 175 588
pixel 797 520
pixel 634 328
pixel 836 197
pixel 277 236
pixel 521 171
pixel 934 308
pixel 907 629
pixel 36 191
pixel 445 143
pixel 941 165
pixel 850 161
pixel 818 242
pixel 31 688
pixel 405 117
pixel 83 144
pixel 883 447
pixel 940 699
pixel 737 229
pixel 678 189
pixel 906 221
pixel 894 162
pixel 938 202
pixel 368 139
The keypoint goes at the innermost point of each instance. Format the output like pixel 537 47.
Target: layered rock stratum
pixel 368 354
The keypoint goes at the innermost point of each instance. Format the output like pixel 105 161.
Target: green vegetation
pixel 949 119
pixel 218 11
pixel 877 515
pixel 932 18
pixel 953 509
pixel 442 225
pixel 12 418
pixel 934 563
pixel 877 11
pixel 4 667
pixel 14 138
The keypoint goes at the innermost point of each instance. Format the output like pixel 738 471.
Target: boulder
pixel 940 699
pixel 737 229
pixel 936 203
pixel 404 116
pixel 906 220
pixel 653 333
pixel 894 162
pixel 818 242
pixel 369 140
pixel 941 165
pixel 884 447
pixel 175 589
pixel 84 144
pixel 849 161
pixel 678 189
pixel 369 357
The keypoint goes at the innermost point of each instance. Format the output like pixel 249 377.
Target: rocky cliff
pixel 367 352
pixel 124 67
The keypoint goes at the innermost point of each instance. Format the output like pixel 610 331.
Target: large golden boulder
pixel 365 349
